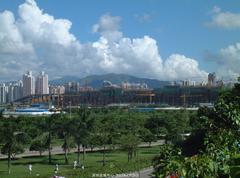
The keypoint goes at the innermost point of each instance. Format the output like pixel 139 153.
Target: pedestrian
pixel 56 169
pixel 74 164
pixel 30 168
pixel 173 175
pixel 178 174
pixel 168 175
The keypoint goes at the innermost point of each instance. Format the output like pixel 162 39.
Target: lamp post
pixel 70 108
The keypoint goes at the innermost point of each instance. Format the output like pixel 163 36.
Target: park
pixel 109 141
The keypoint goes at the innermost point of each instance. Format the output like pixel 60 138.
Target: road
pixel 144 173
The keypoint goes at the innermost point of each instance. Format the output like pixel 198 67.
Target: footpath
pixel 58 150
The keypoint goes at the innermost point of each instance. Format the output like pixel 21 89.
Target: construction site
pixel 178 96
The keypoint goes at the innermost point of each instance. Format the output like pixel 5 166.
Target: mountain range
pixel 96 81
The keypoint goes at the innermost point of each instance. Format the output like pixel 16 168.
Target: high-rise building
pixel 42 84
pixel 57 90
pixel 3 93
pixel 28 84
pixel 212 79
pixel 18 90
pixel 72 87
pixel 10 95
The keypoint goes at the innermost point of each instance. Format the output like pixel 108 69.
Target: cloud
pixel 138 56
pixel 225 20
pixel 10 36
pixel 38 41
pixel 227 60
pixel 179 64
pixel 146 17
pixel 108 26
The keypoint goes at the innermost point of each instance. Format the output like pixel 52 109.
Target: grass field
pixel 116 163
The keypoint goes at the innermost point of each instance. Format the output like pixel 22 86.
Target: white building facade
pixel 42 84
pixel 28 84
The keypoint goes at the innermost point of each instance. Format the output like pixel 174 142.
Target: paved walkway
pixel 58 150
pixel 144 173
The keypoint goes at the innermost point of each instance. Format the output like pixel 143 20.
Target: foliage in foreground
pixel 220 142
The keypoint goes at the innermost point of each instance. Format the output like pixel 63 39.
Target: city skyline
pixel 27 86
pixel 154 39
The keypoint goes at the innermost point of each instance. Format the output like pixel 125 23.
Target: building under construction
pixel 187 96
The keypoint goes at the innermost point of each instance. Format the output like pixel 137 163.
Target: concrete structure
pixel 212 79
pixel 72 87
pixel 42 84
pixel 3 93
pixel 57 89
pixel 187 96
pixel 134 86
pixel 28 84
pixel 15 91
pixel 10 94
pixel 178 96
pixel 18 90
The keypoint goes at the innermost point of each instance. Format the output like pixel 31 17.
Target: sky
pixel 165 40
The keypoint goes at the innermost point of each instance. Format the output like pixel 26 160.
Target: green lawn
pixel 116 163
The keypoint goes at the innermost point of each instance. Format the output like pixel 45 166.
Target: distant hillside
pixel 96 81
pixel 63 80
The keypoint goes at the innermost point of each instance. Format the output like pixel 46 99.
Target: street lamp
pixel 70 108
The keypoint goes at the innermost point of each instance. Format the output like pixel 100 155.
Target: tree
pixel 147 136
pixel 81 130
pixel 12 138
pixel 103 136
pixel 167 160
pixel 93 140
pixel 129 143
pixel 67 145
pixel 170 160
pixel 17 148
pixel 40 143
pixel 48 125
pixel 177 124
pixel 156 124
pixel 64 127
pixel 220 131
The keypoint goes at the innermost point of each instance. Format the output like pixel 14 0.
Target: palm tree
pixel 48 125
pixel 65 128
pixel 12 138
pixel 81 130
pixel 103 135
pixel 40 143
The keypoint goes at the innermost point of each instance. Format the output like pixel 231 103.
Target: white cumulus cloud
pixel 108 26
pixel 37 41
pixel 179 64
pixel 226 20
pixel 227 60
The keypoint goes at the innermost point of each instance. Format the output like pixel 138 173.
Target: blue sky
pixel 179 27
